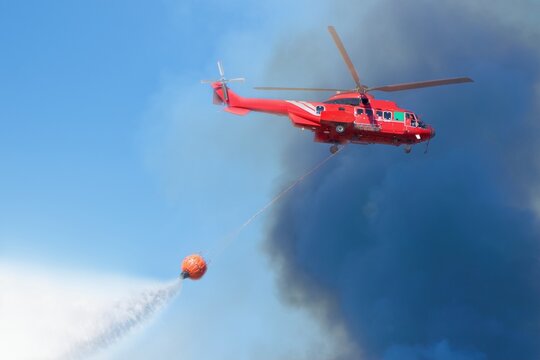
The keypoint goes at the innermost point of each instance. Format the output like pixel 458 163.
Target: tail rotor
pixel 223 80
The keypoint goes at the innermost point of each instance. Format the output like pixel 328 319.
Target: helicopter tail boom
pixel 239 105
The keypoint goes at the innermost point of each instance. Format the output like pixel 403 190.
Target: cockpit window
pixel 344 101
pixel 412 119
pixel 410 116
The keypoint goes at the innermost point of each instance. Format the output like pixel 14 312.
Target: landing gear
pixel 408 149
pixel 334 149
pixel 340 129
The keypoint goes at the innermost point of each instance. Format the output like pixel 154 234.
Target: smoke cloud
pixel 426 256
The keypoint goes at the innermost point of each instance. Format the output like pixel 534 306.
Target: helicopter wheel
pixel 334 149
pixel 340 129
pixel 407 149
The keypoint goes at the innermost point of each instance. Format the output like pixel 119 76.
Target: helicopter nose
pixel 432 133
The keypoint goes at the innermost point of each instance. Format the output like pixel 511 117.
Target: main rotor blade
pixel 298 89
pixel 345 56
pixel 421 84
pixel 236 79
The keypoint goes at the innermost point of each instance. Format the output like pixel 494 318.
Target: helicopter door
pixel 360 116
pixel 399 121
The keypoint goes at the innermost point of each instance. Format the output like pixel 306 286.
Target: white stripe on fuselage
pixel 307 107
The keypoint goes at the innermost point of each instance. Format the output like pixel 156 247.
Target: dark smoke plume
pixel 426 256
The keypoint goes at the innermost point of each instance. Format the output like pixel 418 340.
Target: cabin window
pixel 379 114
pixel 387 115
pixel 398 115
pixel 369 112
pixel 359 111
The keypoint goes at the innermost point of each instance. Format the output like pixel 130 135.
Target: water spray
pixel 121 318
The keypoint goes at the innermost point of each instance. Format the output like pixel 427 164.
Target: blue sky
pixel 114 161
pixel 105 126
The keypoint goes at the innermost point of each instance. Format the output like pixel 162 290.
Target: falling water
pixel 121 318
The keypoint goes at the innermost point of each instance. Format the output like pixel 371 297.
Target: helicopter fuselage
pixel 347 117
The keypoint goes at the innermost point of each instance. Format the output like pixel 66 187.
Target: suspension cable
pixel 226 241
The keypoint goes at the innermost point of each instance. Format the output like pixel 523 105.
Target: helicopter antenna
pixel 427 146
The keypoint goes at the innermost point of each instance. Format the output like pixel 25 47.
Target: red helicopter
pixel 350 116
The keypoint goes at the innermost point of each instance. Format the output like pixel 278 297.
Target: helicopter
pixel 350 116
